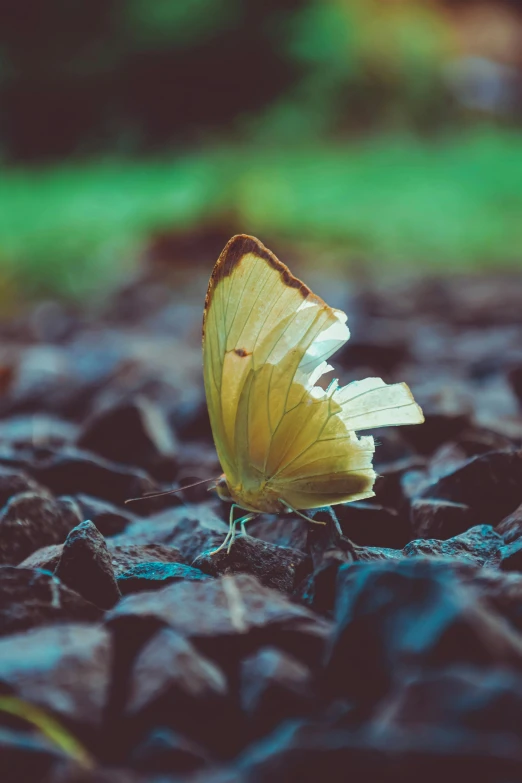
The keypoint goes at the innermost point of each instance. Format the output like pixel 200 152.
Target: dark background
pixel 389 129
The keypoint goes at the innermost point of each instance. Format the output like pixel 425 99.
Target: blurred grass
pixel 451 203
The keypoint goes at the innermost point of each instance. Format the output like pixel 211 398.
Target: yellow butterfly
pixel 284 443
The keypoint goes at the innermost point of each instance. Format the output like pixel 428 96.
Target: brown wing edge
pixel 231 256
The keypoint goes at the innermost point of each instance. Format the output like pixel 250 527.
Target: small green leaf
pixel 49 727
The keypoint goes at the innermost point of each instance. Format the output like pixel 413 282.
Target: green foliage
pixel 172 23
pixel 450 203
pixel 49 727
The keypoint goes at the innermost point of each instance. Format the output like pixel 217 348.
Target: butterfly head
pixel 222 489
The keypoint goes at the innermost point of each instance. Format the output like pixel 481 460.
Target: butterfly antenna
pixel 149 495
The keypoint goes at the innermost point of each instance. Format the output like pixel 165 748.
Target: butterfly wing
pixel 260 323
pixel 266 338
pixel 327 462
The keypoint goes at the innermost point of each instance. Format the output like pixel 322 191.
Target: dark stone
pixel 368 524
pixel 38 429
pixel 227 617
pixel 511 555
pixel 26 757
pixel 283 530
pixel 73 773
pixel 127 556
pixel 123 556
pixel 72 472
pixel 389 489
pixel 500 590
pixel 108 518
pixel 274 566
pixel 45 559
pixel 64 669
pixel 392 618
pixel 15 482
pixel 438 428
pixel 153 576
pixel 86 566
pixel 192 530
pixel 463 698
pixel 490 484
pixel 448 458
pixel 329 550
pixel 175 683
pixel 29 597
pixel 480 545
pixel 134 433
pixel 306 751
pixel 31 521
pixel 439 518
pixel 168 751
pixel 515 377
pixel 388 349
pixel 510 528
pixel 274 686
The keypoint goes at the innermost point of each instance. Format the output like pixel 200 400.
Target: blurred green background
pixel 387 132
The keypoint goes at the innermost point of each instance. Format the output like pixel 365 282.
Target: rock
pixel 32 520
pixel 15 482
pixel 108 518
pixel 389 488
pixel 283 530
pixel 510 528
pixel 153 576
pixel 480 545
pixel 226 617
pixel 134 433
pixel 440 519
pixel 71 472
pixel 39 430
pixel 29 597
pixel 438 427
pixel 64 669
pixel 274 686
pixel 515 378
pixel 368 524
pixel 392 618
pixel 447 458
pixel 125 557
pixel 86 566
pixel 26 757
pixel 176 686
pixel 73 773
pixel 499 590
pixel 462 698
pixel 45 559
pixel 308 751
pixel 192 530
pixel 274 566
pixel 490 484
pixel 329 550
pixel 167 751
pixel 511 556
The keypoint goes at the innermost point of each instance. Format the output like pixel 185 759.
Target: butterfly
pixel 284 443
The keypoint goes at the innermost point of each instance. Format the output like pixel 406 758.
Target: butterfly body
pixel 284 442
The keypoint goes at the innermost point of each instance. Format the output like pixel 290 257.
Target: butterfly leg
pixel 231 530
pixel 299 514
pixel 241 522
pixel 244 521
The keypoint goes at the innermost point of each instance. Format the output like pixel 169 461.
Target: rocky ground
pixel 392 654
